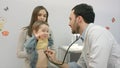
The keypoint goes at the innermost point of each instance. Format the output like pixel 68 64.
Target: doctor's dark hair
pixel 86 11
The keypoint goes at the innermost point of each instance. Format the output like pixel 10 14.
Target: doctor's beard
pixel 76 28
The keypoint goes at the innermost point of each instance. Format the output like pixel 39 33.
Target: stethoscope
pixel 77 38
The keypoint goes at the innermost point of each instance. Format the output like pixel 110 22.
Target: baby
pixel 38 44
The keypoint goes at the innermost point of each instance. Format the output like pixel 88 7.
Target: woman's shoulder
pixel 23 30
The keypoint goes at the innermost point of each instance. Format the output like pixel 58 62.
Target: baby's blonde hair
pixel 37 25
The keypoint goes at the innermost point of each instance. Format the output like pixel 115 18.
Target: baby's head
pixel 41 28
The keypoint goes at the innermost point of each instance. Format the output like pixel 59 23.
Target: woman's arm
pixel 21 52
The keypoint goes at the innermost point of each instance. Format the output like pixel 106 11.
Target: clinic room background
pixel 15 14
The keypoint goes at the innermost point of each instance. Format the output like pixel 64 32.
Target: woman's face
pixel 42 15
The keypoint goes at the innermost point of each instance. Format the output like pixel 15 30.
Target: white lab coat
pixel 100 49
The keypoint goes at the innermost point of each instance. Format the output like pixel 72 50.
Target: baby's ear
pixel 34 32
pixel 49 35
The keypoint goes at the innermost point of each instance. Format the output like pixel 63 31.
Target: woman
pixel 39 13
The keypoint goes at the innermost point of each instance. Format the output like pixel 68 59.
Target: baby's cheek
pixel 46 36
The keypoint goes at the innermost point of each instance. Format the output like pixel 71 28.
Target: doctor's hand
pixel 51 56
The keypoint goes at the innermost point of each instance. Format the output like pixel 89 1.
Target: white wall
pixel 18 16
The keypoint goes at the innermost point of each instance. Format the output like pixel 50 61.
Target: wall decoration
pixel 113 20
pixel 5 33
pixel 3 18
pixel 2 22
pixel 107 27
pixel 6 8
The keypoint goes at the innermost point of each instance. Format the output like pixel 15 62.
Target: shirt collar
pixel 84 31
pixel 83 35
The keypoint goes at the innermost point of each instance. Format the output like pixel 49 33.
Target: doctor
pixel 100 47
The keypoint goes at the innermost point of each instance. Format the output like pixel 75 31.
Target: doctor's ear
pixel 79 19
